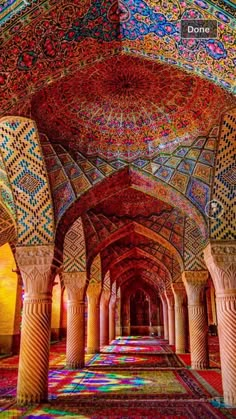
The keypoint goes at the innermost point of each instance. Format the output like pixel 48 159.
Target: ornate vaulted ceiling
pixel 48 40
pixel 129 114
pixel 126 107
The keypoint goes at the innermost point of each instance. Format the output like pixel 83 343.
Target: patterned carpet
pixel 122 384
pixel 8 381
pixel 213 378
pixel 120 361
pixel 126 348
pixel 120 410
pixel 135 378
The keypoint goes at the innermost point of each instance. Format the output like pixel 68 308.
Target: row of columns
pixel 35 264
pixel 175 300
pixel 220 259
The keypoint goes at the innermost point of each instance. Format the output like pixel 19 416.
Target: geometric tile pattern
pixel 203 172
pixel 179 181
pixel 193 247
pixel 71 174
pixel 167 223
pixel 6 196
pixel 8 231
pixel 7 227
pixel 74 251
pixel 61 188
pixel 199 193
pixel 26 171
pixel 107 282
pixel 78 180
pixel 224 227
pixel 142 248
pixel 96 270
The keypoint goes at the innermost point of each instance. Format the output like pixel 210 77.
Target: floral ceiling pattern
pixel 127 107
pixel 49 39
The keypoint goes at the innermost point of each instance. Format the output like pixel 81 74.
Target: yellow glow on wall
pixel 8 290
pixel 56 304
pixel 64 310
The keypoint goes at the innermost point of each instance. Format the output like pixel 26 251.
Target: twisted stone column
pixel 104 317
pixel 195 283
pixel 35 263
pixel 93 339
pixel 165 316
pixel 180 297
pixel 220 258
pixel 112 318
pixel 171 315
pixel 75 284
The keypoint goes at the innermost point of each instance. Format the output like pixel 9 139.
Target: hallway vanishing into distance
pixel 133 377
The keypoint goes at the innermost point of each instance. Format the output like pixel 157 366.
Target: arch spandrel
pixel 96 271
pixel 74 251
pixel 26 171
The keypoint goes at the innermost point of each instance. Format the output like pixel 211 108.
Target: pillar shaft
pixel 171 316
pixel 112 321
pixel 75 284
pixel 220 258
pixel 35 267
pixel 118 331
pixel 180 317
pixel 93 339
pixel 104 318
pixel 195 283
pixel 165 316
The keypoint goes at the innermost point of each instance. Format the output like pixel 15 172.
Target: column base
pixel 180 351
pixel 75 365
pixel 199 365
pixel 27 399
pixel 230 399
pixel 93 350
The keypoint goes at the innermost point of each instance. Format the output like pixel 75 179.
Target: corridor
pixel 133 378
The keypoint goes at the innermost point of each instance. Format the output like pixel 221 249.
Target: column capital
pixel 192 277
pixel 220 258
pixel 35 265
pixel 94 289
pixel 179 291
pixel 195 282
pixel 75 284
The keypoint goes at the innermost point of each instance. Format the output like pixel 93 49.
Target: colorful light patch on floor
pixel 162 383
pixel 135 361
pixel 111 378
pixel 133 349
pixel 160 409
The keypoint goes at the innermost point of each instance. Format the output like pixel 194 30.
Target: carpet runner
pixel 120 410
